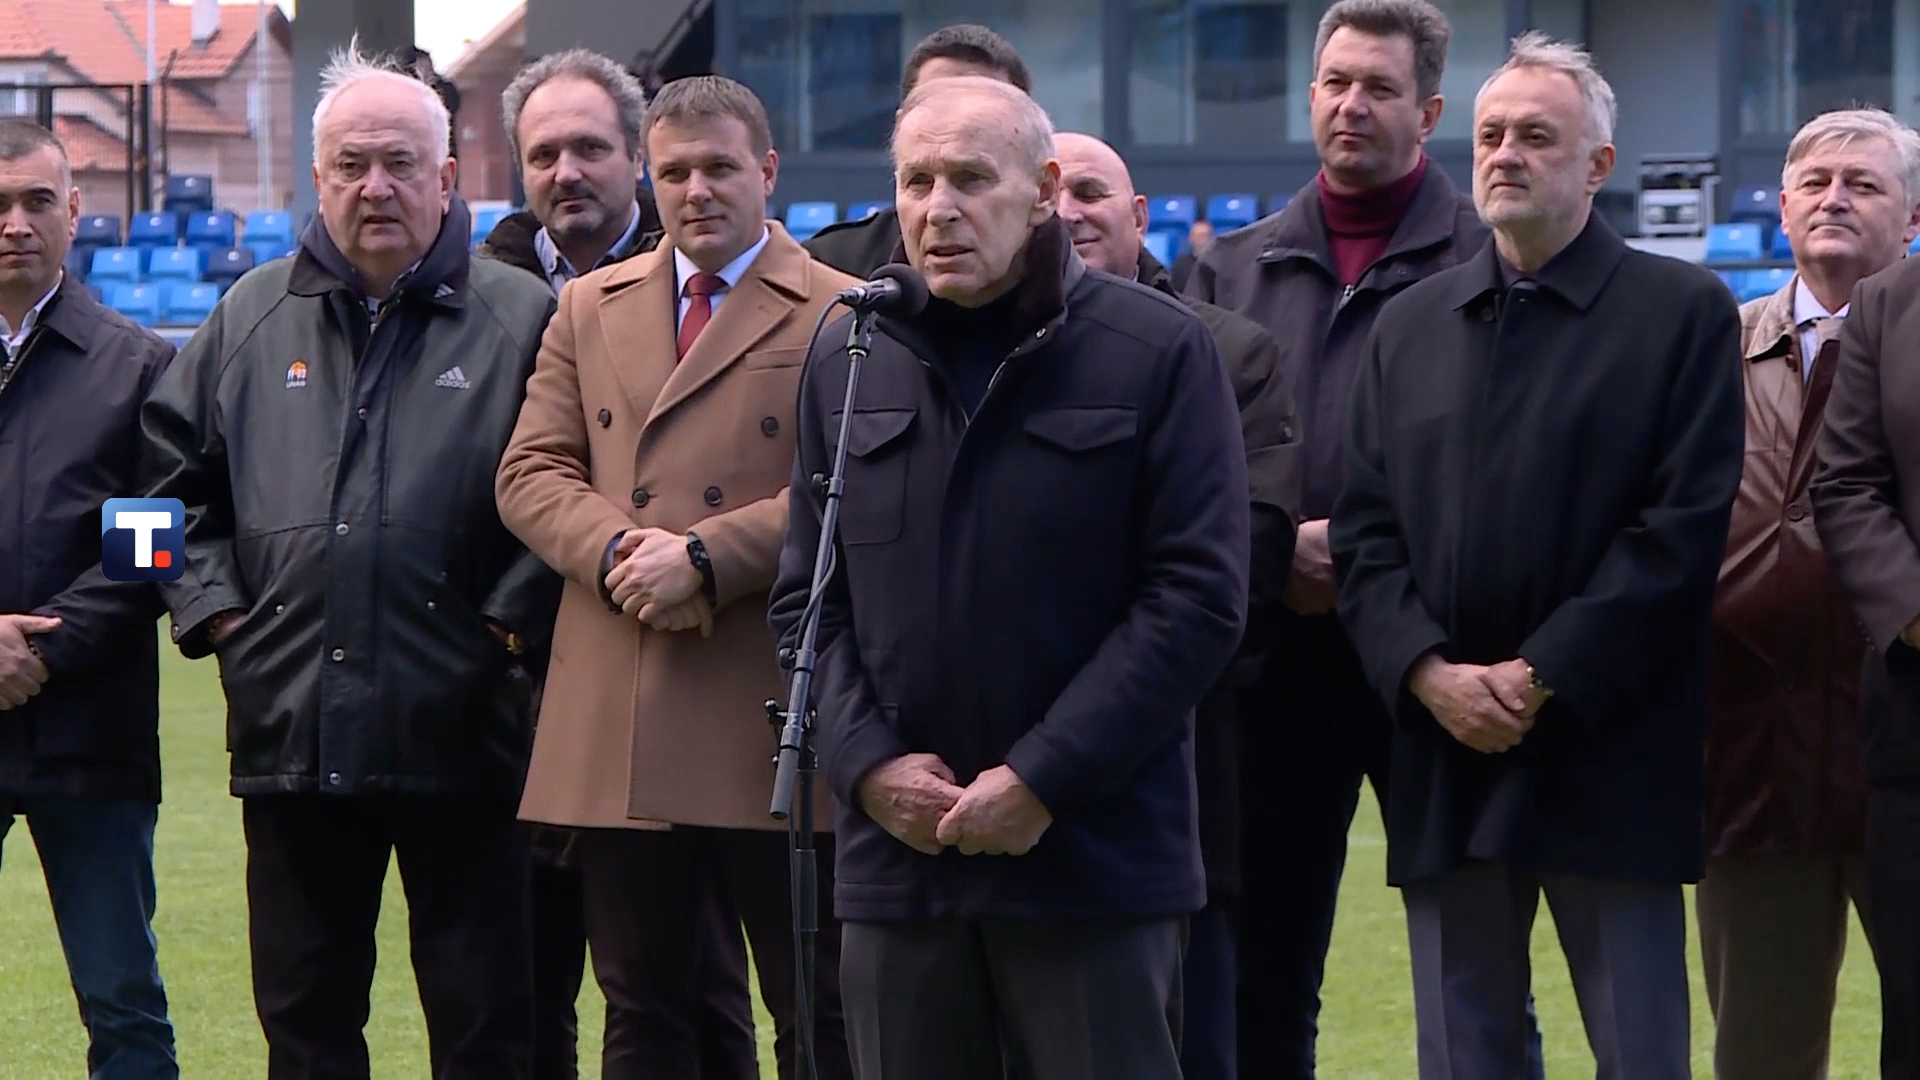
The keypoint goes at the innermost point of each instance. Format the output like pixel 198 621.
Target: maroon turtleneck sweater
pixel 1359 227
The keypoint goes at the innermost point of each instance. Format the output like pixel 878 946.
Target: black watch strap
pixel 697 554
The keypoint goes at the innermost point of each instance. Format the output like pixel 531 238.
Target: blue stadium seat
pixel 141 303
pixel 188 303
pixel 1277 203
pixel 1782 245
pixel 188 193
pixel 1754 284
pixel 1171 212
pixel 156 229
pixel 1759 204
pixel 806 218
pixel 215 230
pixel 115 264
pixel 1914 248
pixel 266 253
pixel 1226 212
pixel 1160 246
pixel 1733 242
pixel 860 211
pixel 484 219
pixel 76 261
pixel 269 227
pixel 175 264
pixel 225 266
pixel 98 230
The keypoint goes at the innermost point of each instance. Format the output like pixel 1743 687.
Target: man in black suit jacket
pixel 79 658
pixel 1543 452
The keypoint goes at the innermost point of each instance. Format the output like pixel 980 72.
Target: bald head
pixel 1105 216
pixel 972 179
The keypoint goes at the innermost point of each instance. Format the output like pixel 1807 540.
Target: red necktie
pixel 700 290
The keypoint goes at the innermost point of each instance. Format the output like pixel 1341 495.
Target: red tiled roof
pixel 173 30
pixel 90 146
pixel 106 40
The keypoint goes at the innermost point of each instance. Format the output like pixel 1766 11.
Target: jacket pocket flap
pixel 1084 427
pixel 874 428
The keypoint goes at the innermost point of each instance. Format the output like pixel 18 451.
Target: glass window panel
pixel 1799 58
pixel 1236 72
pixel 829 70
pixel 1565 20
pixel 1059 39
pixel 1219 72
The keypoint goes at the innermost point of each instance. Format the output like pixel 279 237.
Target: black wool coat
pixel 1547 471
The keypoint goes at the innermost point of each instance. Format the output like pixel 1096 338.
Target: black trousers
pixel 1026 1000
pixel 1315 733
pixel 728 1043
pixel 316 866
pixel 1893 885
pixel 650 912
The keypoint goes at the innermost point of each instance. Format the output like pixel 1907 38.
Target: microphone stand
pixel 796 762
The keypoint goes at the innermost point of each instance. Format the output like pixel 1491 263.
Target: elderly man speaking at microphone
pixel 1015 793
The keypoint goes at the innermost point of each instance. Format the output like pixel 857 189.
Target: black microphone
pixel 895 289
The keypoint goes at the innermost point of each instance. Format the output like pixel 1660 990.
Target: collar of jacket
pixel 73 313
pixel 1576 274
pixel 1773 326
pixel 1300 230
pixel 1052 270
pixel 1150 273
pixel 511 241
pixel 320 268
pixel 783 264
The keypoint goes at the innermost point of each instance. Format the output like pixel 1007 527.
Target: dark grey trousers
pixel 1626 949
pixel 993 999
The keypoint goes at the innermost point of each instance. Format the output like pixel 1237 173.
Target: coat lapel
pixel 762 301
pixel 637 320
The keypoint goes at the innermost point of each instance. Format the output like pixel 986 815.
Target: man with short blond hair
pixel 1786 788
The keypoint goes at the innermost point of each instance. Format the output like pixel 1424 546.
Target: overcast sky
pixel 442 27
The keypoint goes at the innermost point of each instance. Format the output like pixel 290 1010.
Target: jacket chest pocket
pixel 873 503
pixel 1081 462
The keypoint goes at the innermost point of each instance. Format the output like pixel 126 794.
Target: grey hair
pixel 1418 21
pixel 1846 125
pixel 1535 49
pixel 1032 129
pixel 629 97
pixel 349 67
pixel 21 137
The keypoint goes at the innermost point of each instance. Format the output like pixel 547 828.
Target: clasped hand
pixel 654 581
pixel 915 798
pixel 22 672
pixel 1489 709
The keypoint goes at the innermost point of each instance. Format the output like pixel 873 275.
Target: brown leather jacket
pixel 1784 767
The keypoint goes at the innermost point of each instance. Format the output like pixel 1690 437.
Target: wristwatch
pixel 697 554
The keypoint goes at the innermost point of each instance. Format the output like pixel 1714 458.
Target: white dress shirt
pixel 1806 309
pixel 14 338
pixel 683 270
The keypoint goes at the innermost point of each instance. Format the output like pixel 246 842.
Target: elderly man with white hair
pixel 333 431
pixel 1042 568
pixel 1542 458
pixel 1786 780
